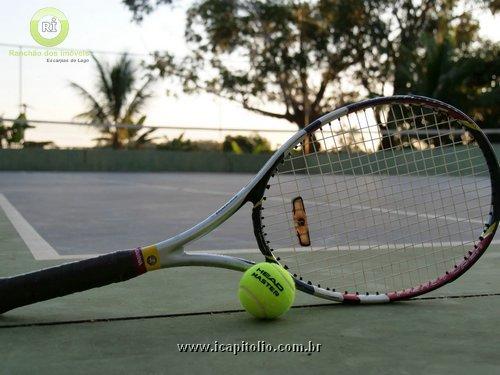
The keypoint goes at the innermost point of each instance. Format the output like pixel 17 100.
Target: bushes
pixel 246 145
pixel 14 134
pixel 181 144
pixel 237 144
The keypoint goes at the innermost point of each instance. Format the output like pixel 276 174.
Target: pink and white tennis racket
pixel 377 201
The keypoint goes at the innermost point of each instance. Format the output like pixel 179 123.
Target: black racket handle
pixel 70 278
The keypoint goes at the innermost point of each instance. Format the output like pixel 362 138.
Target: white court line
pixel 403 213
pixel 40 248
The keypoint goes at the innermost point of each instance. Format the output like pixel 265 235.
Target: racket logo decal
pixel 152 260
pixel 300 220
pixel 152 257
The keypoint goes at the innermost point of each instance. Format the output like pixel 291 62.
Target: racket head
pixel 397 197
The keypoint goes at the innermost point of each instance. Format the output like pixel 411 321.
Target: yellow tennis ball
pixel 267 290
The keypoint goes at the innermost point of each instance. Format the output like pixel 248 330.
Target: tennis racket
pixel 377 201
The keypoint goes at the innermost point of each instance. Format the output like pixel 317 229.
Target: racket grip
pixel 70 278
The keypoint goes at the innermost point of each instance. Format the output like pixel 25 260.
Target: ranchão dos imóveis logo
pixel 49 27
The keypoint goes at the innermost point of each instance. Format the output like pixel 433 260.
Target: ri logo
pixel 49 27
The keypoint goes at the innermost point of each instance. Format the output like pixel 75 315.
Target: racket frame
pixel 471 257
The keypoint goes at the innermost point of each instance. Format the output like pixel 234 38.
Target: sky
pixel 106 26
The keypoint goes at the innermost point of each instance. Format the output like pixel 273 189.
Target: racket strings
pixel 376 208
pixel 396 249
pixel 385 210
pixel 417 260
pixel 339 131
pixel 472 168
pixel 384 226
pixel 443 166
pixel 361 160
pixel 444 239
pixel 362 205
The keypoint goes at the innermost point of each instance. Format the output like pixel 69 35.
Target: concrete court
pixel 135 327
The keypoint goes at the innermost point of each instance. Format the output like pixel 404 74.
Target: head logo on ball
pixel 266 290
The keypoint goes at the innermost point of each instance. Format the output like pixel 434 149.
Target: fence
pixel 128 160
pixel 137 160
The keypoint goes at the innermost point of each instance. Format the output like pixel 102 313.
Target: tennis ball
pixel 266 290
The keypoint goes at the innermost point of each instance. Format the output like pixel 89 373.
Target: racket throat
pixel 177 257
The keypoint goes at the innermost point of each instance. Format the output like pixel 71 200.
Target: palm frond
pixel 143 138
pixel 104 85
pixel 122 77
pixel 109 105
pixel 95 112
pixel 140 98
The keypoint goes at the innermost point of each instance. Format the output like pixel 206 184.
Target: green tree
pixel 448 60
pixel 117 101
pixel 292 56
pixel 412 22
pixel 295 60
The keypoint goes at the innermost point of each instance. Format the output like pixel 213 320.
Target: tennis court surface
pixel 50 218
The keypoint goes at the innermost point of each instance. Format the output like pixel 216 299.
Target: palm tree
pixel 117 101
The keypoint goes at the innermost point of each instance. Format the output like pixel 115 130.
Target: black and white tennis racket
pixel 377 201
